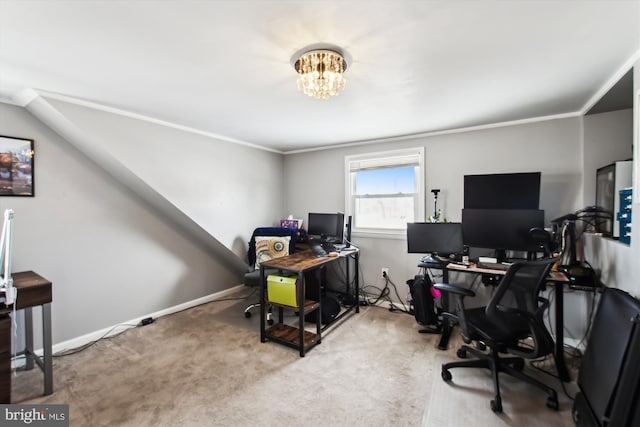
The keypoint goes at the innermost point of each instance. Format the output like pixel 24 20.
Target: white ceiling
pixel 224 67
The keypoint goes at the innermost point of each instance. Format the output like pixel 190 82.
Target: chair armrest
pixel 544 304
pixel 513 310
pixel 452 318
pixel 543 342
pixel 457 315
pixel 454 289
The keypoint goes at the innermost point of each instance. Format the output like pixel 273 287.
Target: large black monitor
pixel 501 229
pixel 326 226
pixel 441 238
pixel 502 191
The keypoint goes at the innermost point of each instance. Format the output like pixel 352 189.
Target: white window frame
pixel 383 159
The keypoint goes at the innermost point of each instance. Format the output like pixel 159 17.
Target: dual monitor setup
pixel 499 212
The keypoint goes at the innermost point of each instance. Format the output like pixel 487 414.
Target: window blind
pixel 384 162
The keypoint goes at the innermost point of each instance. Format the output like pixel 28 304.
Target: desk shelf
pixel 290 336
pixel 309 305
pixel 299 264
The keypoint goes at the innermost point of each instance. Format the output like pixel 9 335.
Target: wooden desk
pixel 33 290
pixel 300 263
pixel 557 278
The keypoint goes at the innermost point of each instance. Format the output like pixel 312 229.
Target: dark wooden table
pixel 33 290
pixel 299 263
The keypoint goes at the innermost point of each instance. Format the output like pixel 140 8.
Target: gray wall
pixel 549 147
pixel 227 188
pixel 553 147
pixel 635 243
pixel 112 257
pixel 617 264
pixel 607 138
pixel 100 243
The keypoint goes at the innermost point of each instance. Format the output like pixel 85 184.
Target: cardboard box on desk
pixel 282 290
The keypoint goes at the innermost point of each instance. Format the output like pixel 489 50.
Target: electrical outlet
pixel 385 272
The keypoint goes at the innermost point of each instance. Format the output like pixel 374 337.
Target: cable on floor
pixel 91 343
pixel 106 335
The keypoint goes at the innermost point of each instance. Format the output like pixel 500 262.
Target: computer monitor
pixel 440 238
pixel 502 191
pixel 326 226
pixel 501 229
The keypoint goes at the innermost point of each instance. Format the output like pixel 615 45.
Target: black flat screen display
pixel 326 226
pixel 443 238
pixel 503 229
pixel 502 191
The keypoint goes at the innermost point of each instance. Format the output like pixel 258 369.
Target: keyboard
pixel 323 248
pixel 493 266
pixel 329 247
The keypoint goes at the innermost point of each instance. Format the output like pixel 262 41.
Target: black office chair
pixel 512 323
pixel 266 243
pixel 609 379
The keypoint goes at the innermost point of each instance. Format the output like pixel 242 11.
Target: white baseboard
pixel 116 329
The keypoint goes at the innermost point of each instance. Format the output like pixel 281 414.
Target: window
pixel 385 191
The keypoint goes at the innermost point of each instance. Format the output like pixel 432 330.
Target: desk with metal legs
pixel 300 263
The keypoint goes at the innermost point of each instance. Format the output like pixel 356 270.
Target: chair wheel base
pixel 247 314
pixel 552 403
pixel 496 405
pixel 518 365
pixel 446 375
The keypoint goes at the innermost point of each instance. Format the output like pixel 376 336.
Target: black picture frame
pixel 16 167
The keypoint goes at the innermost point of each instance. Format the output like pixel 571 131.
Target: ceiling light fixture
pixel 320 73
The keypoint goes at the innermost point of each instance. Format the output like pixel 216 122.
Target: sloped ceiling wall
pixel 215 191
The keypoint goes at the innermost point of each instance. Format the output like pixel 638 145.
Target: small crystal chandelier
pixel 320 73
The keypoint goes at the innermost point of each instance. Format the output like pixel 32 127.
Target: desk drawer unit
pixel 624 215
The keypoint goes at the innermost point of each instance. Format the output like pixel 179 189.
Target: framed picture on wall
pixel 16 166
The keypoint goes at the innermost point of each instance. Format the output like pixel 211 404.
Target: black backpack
pixel 424 308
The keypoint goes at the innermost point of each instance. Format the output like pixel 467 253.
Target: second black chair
pixel 512 323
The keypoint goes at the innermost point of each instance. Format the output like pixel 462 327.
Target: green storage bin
pixel 282 290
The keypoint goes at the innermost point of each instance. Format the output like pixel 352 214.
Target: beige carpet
pixel 466 400
pixel 207 367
